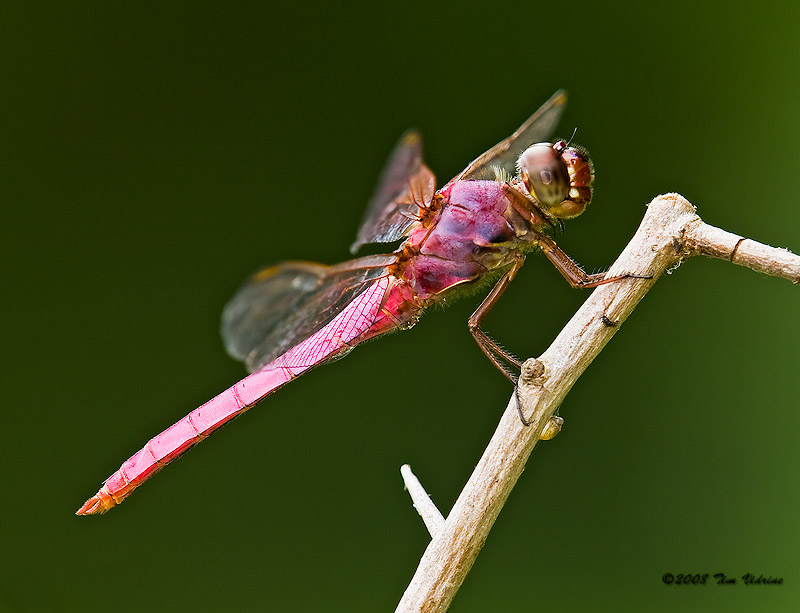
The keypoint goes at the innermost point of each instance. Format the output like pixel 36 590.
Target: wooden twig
pixel 432 517
pixel 670 232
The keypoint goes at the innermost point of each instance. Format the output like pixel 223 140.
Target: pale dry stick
pixel 430 515
pixel 670 232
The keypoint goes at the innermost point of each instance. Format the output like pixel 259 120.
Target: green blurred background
pixel 153 156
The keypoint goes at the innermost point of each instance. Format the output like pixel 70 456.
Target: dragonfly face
pixel 558 177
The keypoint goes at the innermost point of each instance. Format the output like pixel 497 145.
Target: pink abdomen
pixel 361 319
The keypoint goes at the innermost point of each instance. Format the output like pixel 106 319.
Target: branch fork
pixel 670 232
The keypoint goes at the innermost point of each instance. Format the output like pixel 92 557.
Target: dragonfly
pixel 289 318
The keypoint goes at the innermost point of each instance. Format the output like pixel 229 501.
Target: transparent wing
pixel 282 305
pixel 503 155
pixel 406 184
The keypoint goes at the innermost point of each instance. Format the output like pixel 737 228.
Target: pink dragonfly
pixel 289 318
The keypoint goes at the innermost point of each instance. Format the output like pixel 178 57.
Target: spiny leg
pixel 571 270
pixel 490 348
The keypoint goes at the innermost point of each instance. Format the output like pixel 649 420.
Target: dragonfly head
pixel 559 177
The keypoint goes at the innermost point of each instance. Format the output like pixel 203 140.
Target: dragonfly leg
pixel 496 354
pixel 490 347
pixel 571 270
pixel 518 401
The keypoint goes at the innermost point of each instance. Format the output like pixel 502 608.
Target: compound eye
pixel 545 174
